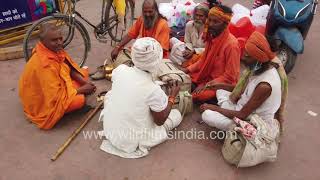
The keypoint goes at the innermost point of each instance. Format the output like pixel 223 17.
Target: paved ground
pixel 26 150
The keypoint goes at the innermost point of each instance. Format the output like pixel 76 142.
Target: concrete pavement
pixel 26 150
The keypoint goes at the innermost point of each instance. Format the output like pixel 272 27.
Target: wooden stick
pixel 76 132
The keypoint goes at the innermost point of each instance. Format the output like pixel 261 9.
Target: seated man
pixel 258 92
pixel 138 118
pixel 194 43
pixel 150 24
pixel 52 84
pixel 259 96
pixel 220 63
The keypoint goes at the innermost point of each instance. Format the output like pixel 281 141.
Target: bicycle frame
pixel 73 13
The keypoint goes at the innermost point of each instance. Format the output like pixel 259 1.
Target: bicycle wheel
pixel 112 21
pixel 76 39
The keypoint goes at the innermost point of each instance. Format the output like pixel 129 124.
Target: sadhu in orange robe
pixel 219 62
pixel 46 89
pixel 160 32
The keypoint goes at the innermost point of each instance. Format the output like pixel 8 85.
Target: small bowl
pixel 109 68
pixel 109 77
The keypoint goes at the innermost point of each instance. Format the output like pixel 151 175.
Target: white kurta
pixel 127 121
pixel 192 40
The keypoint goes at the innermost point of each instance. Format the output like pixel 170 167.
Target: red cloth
pixel 220 62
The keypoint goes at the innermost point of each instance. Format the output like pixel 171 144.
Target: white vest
pixel 268 109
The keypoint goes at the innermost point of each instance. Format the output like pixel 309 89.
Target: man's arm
pixel 160 117
pixel 124 41
pixel 259 96
pixel 75 75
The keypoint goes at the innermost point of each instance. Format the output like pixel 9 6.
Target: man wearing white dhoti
pixel 137 113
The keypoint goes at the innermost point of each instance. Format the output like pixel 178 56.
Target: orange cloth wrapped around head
pixel 218 12
pixel 258 48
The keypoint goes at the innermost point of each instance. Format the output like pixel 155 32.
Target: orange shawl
pixel 219 62
pixel 45 87
pixel 160 32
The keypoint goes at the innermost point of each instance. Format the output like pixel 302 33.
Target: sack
pixel 233 147
pixel 242 152
pixel 167 72
pixel 185 103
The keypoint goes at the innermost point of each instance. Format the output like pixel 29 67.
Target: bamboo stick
pixel 76 132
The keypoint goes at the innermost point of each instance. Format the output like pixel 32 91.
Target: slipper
pixel 99 68
pixel 100 74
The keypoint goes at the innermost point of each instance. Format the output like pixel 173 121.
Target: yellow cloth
pixel 45 87
pixel 120 6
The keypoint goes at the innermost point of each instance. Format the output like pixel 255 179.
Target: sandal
pixel 99 74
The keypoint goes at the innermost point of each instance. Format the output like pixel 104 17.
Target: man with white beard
pixel 189 52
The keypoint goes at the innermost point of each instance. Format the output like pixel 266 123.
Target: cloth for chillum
pixel 147 54
pixel 45 88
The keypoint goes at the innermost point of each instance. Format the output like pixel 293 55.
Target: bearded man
pixel 189 52
pixel 150 24
pixel 220 63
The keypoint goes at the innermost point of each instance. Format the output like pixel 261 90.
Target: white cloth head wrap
pixel 147 54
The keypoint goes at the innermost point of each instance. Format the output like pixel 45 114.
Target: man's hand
pixel 211 107
pixel 87 89
pixel 114 53
pixel 187 54
pixel 199 89
pixel 185 70
pixel 214 85
pixel 173 88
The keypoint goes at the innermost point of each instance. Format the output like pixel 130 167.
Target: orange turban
pixel 218 12
pixel 258 47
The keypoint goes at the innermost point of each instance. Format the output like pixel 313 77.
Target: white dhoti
pixel 216 119
pixel 151 138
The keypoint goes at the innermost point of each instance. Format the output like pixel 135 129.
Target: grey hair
pixel 47 27
pixel 203 8
pixel 155 5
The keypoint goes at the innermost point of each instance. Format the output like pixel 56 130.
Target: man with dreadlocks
pixel 150 24
pixel 220 63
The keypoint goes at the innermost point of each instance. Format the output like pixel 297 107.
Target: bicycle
pixel 75 33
